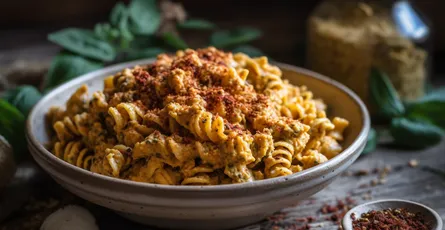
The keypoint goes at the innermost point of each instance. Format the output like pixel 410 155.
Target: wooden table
pixel 38 195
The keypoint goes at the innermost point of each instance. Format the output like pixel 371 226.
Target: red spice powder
pixel 400 219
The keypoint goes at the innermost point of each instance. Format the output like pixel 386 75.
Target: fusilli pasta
pixel 200 117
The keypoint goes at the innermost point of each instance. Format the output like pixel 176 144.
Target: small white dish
pixel 430 215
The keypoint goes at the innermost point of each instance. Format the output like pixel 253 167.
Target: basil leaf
pixel 434 95
pixel 384 96
pixel 65 67
pixel 145 53
pixel 432 111
pixel 105 32
pixel 174 41
pixel 197 24
pixel 23 98
pixel 430 108
pixel 249 50
pixel 228 38
pixel 119 18
pixel 371 143
pixel 118 13
pixel 12 127
pixel 145 17
pixel 415 133
pixel 83 42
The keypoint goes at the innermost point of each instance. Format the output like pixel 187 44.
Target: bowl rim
pixel 437 217
pixel 351 150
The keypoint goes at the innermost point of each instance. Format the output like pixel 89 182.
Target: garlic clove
pixel 71 217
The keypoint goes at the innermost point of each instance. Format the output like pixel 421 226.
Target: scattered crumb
pixel 382 175
pixel 374 182
pixel 362 172
pixel 413 163
pixel 382 181
pixel 363 186
pixel 310 219
pixel 367 196
pixel 338 210
pixel 334 217
pixel 387 169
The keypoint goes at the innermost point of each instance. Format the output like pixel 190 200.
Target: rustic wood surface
pixel 32 196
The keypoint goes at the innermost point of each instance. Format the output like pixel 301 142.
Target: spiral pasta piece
pixel 202 124
pixel 74 153
pixel 169 149
pixel 239 173
pixel 279 162
pixel 124 81
pixel 78 102
pixel 196 175
pixel 262 145
pixel 237 148
pixel 98 105
pixel 118 158
pixel 123 113
pixel 340 124
pixel 311 158
pixel 155 171
pixel 68 128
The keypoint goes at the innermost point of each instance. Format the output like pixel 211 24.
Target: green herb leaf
pixel 174 41
pixel 12 127
pixel 83 42
pixel 23 98
pixel 371 143
pixel 197 24
pixel 384 96
pixel 249 50
pixel 119 18
pixel 230 38
pixel 145 53
pixel 65 67
pixel 105 32
pixel 434 95
pixel 430 108
pixel 415 133
pixel 118 13
pixel 145 17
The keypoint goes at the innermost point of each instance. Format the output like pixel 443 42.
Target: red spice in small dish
pixel 389 219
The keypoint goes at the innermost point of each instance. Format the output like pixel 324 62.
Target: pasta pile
pixel 200 117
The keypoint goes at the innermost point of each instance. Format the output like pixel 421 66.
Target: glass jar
pixel 345 39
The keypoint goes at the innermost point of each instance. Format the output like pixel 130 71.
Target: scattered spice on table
pixel 362 172
pixel 413 163
pixel 400 219
pixel 338 210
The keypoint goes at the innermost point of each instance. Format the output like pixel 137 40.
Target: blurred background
pixel 25 23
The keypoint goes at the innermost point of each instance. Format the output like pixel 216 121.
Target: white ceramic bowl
pixel 202 207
